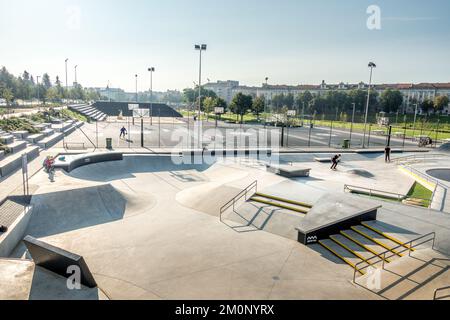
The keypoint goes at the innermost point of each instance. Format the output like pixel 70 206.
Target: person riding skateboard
pixel 335 161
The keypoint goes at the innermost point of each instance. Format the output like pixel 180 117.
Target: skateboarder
pixel 387 154
pixel 335 161
pixel 123 132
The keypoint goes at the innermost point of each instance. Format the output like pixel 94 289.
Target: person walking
pixel 335 161
pixel 387 154
pixel 123 133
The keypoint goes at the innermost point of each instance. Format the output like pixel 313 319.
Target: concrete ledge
pixel 14 161
pixel 73 162
pixel 15 233
pixel 288 171
pixel 58 260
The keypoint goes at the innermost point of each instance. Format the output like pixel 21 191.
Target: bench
pixel 76 145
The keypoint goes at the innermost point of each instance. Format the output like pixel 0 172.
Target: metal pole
pixel 437 132
pixel 331 133
pixel 159 127
pixel 404 133
pixel 200 98
pixel 414 125
pixel 39 106
pixel 76 74
pixel 353 120
pixel 96 132
pixel 136 76
pixel 367 105
pixel 368 140
pixel 142 132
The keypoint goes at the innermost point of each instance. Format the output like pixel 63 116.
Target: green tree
pixel 440 102
pixel 8 95
pixel 241 104
pixel 208 106
pixel 391 100
pixel 427 105
pixel 258 106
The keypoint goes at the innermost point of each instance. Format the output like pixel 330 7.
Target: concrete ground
pixel 150 229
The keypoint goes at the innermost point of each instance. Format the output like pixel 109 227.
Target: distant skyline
pixel 290 41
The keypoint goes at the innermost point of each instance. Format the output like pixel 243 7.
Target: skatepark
pixel 162 227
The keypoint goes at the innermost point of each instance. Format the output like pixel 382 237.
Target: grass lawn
pixel 418 191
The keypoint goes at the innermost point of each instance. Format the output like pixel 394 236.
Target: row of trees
pixel 333 102
pixel 25 87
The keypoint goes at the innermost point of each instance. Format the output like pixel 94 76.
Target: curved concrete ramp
pixel 130 166
pixel 63 211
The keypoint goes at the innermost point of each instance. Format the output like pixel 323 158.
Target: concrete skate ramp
pixel 131 165
pixel 441 174
pixel 64 211
pixel 211 196
pixel 444 148
pixel 360 173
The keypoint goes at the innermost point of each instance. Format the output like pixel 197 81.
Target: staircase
pixel 90 112
pixel 369 244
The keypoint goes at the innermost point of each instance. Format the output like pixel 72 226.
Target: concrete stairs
pixel 369 244
pixel 90 112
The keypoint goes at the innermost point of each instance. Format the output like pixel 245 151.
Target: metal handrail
pixel 439 289
pixel 416 157
pixel 232 202
pixel 399 196
pixel 407 246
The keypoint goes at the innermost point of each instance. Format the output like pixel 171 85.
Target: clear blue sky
pixel 290 41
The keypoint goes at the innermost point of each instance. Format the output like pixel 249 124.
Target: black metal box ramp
pixel 333 213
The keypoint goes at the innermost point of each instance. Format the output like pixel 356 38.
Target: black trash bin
pixel 109 143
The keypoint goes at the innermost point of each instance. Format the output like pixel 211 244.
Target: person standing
pixel 123 132
pixel 387 154
pixel 49 165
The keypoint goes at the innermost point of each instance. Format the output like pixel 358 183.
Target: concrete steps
pixel 20 134
pixel 16 146
pixel 48 132
pixel 343 254
pixel 6 139
pixel 13 162
pixel 51 140
pixel 34 138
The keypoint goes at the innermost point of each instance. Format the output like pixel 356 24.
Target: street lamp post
pixel 39 105
pixel 136 77
pixel 415 118
pixel 265 105
pixel 371 66
pixel 67 84
pixel 200 48
pixel 353 120
pixel 151 70
pixel 76 74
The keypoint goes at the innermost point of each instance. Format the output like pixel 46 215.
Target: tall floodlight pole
pixel 136 77
pixel 200 48
pixel 39 105
pixel 76 73
pixel 415 119
pixel 353 120
pixel 67 84
pixel 151 70
pixel 265 104
pixel 371 66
